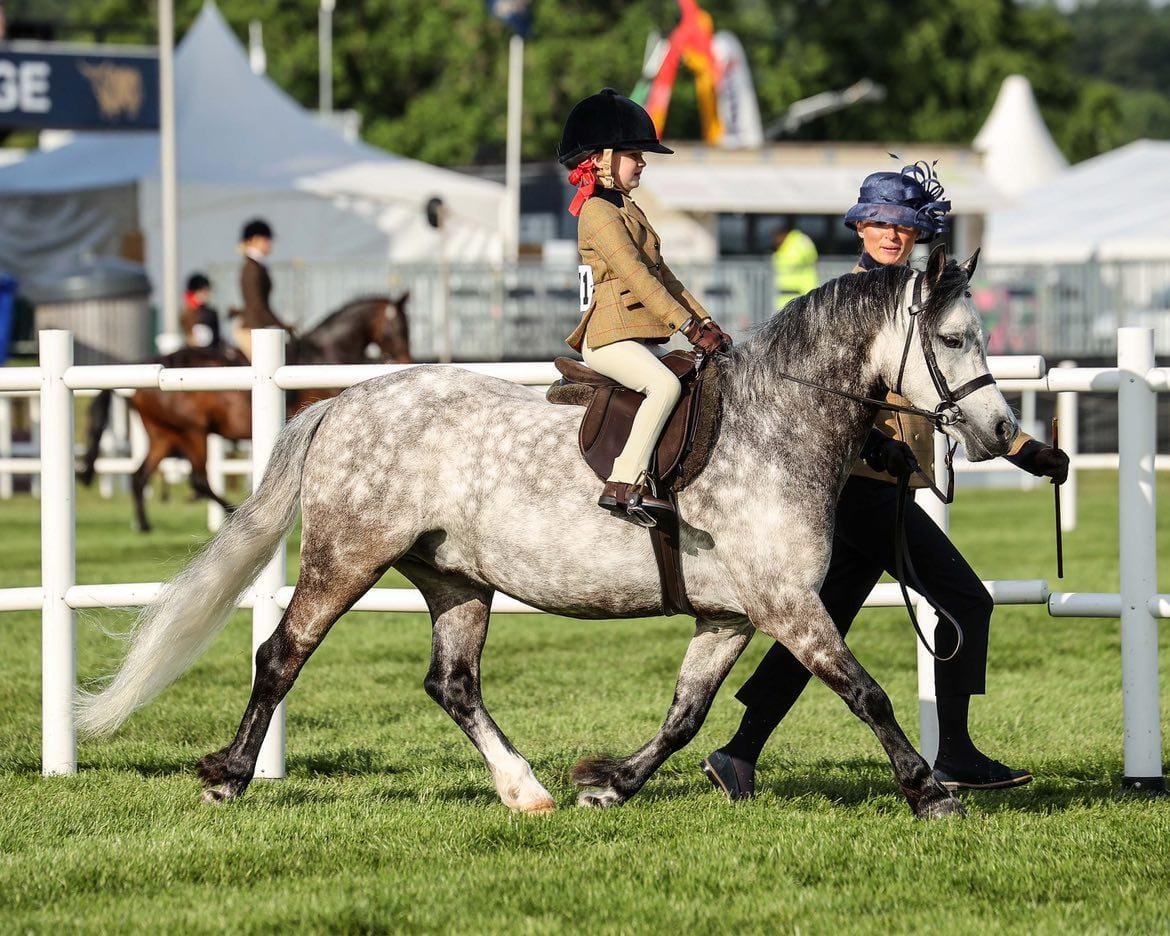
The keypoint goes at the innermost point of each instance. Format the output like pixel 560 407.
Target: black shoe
pixel 989 776
pixel 720 770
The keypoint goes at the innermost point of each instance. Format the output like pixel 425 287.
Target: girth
pixel 682 453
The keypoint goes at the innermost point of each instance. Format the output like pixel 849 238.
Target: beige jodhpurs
pixel 635 364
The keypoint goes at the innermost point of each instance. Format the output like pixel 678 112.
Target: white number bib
pixel 585 277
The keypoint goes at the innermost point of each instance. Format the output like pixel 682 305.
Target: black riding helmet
pixel 257 227
pixel 607 120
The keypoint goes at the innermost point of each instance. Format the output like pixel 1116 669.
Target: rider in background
pixel 636 302
pixel 895 211
pixel 255 286
pixel 199 320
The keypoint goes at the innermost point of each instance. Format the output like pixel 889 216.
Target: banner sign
pixel 516 13
pixel 65 87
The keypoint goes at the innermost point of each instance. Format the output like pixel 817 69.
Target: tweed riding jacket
pixel 634 293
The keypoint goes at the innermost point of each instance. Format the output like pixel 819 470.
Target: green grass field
pixel 388 821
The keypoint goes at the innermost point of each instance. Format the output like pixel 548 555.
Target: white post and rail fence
pixel 1138 604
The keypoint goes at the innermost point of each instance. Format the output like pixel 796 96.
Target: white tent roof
pixel 1018 151
pixel 238 132
pixel 800 178
pixel 1111 207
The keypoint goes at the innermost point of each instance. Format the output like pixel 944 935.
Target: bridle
pixel 946 413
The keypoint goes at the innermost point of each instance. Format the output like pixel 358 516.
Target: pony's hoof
pixel 599 799
pixel 218 794
pixel 538 807
pixel 942 809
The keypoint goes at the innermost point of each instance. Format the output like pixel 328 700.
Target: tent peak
pixel 1019 152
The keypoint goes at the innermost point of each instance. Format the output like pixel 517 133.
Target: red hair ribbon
pixel 585 178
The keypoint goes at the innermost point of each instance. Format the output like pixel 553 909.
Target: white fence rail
pixel 1138 604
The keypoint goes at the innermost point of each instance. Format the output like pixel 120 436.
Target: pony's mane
pixel 842 310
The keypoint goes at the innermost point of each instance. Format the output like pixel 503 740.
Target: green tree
pixel 429 77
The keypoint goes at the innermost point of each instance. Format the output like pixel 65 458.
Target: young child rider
pixel 636 302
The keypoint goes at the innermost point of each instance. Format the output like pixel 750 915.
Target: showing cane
pixel 1056 496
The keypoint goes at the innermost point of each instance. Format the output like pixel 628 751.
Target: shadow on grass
pixel 855 782
pixel 849 783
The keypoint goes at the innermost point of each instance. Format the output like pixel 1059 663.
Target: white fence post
pixel 34 438
pixel 58 562
pixel 1137 444
pixel 1066 414
pixel 267 420
pixel 120 427
pixel 5 446
pixel 1028 423
pixel 927 619
pixel 108 447
pixel 215 477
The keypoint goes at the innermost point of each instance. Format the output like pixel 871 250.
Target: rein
pixel 947 413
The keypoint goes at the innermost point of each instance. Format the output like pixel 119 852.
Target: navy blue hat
pixel 257 227
pixel 911 198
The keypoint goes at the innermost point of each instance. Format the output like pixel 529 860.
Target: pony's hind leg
pixel 161 442
pixel 327 588
pixel 805 628
pixel 459 613
pixel 710 656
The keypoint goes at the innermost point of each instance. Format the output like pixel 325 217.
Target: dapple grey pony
pixel 470 485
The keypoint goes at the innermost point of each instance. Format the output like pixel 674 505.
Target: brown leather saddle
pixel 682 453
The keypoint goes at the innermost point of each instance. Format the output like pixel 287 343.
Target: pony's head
pixel 941 364
pixel 389 331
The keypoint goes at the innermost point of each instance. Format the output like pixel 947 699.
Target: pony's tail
pixel 99 418
pixel 170 634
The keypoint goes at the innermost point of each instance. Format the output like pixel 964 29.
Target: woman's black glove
pixel 893 456
pixel 1042 460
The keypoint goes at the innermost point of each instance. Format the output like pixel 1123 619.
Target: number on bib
pixel 585 276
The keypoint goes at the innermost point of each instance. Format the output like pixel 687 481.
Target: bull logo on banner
pixel 117 89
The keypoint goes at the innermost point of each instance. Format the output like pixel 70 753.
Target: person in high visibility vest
pixel 795 263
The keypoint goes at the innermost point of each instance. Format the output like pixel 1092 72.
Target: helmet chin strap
pixel 606 177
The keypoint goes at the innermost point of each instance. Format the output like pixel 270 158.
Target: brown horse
pixel 179 423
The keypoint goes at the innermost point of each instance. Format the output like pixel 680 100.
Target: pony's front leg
pixel 802 624
pixel 709 658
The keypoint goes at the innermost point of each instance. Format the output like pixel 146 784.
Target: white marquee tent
pixel 244 149
pixel 1018 151
pixel 1111 207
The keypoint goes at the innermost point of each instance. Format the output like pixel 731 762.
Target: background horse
pixel 179 423
pixel 470 485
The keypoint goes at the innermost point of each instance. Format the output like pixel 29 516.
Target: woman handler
pixel 636 302
pixel 895 211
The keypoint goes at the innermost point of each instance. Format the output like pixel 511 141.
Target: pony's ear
pixel 936 264
pixel 968 265
pixel 401 300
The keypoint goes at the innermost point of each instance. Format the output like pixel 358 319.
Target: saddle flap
pixel 575 372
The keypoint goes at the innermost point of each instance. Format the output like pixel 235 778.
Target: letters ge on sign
pixel 24 87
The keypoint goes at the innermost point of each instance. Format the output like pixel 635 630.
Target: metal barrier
pixel 1138 604
pixel 526 309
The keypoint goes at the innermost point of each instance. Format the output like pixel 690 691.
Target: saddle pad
pixel 686 443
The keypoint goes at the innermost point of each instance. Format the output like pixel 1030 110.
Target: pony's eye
pixel 951 341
